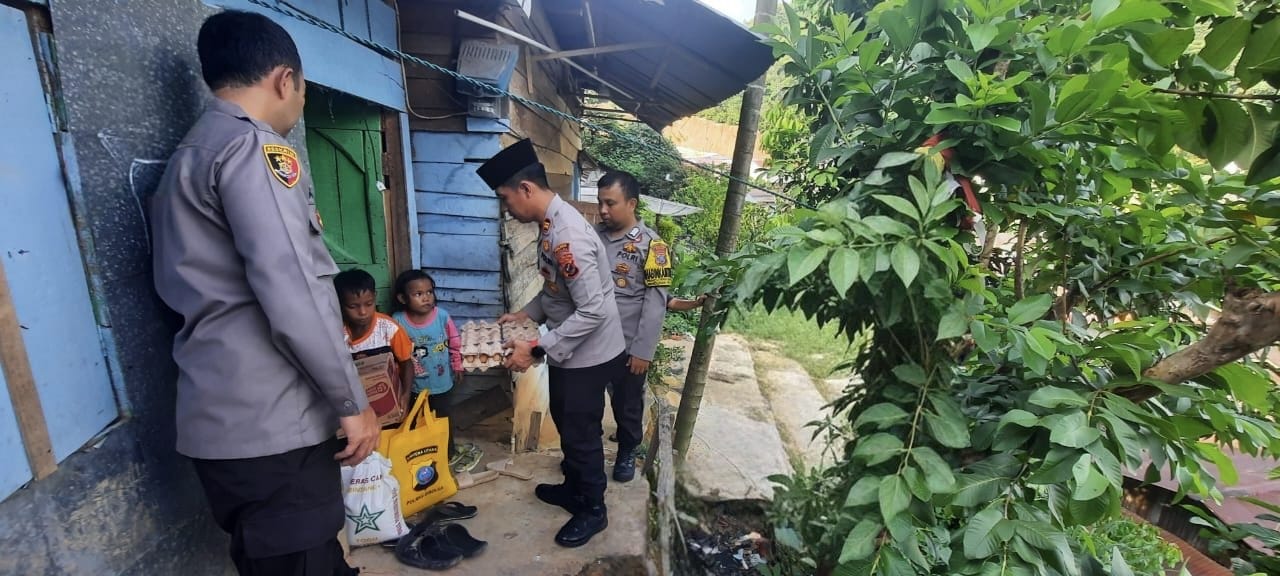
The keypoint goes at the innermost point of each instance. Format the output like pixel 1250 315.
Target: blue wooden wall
pixel 337 62
pixel 458 220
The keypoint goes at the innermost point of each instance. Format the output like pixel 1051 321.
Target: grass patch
pixel 819 350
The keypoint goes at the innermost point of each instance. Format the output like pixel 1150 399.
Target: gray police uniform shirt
pixel 576 301
pixel 640 263
pixel 263 366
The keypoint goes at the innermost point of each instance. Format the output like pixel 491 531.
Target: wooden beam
pixel 662 69
pixel 22 387
pixel 625 47
pixel 395 198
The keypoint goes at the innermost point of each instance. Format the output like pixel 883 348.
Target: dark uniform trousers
pixel 577 408
pixel 628 409
pixel 283 511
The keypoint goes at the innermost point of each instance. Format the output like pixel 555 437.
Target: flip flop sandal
pixel 427 549
pixel 467 460
pixel 458 537
pixel 450 511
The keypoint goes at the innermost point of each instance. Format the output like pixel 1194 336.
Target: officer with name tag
pixel 584 348
pixel 640 263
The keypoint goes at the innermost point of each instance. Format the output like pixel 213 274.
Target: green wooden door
pixel 344 145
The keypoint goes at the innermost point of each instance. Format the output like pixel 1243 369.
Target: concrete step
pixel 795 401
pixel 736 445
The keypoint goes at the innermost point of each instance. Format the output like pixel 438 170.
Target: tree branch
pixel 1250 321
pixel 1018 260
pixel 988 246
pixel 1067 300
pixel 1219 95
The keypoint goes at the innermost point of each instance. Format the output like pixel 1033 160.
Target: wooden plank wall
pixel 480 258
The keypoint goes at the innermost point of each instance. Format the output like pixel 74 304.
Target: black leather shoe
pixel 586 523
pixel 558 495
pixel 624 466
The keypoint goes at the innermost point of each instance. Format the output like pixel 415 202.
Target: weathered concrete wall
pixel 130 504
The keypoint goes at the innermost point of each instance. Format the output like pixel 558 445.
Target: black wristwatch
pixel 538 352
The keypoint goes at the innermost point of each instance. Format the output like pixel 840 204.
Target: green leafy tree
pixel 1124 155
pixel 659 171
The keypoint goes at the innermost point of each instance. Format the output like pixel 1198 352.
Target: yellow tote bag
pixel 419 453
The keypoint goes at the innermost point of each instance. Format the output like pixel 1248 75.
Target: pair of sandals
pixel 437 543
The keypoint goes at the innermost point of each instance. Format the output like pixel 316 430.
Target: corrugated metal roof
pixel 702 57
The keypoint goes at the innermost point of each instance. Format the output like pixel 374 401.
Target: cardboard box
pixel 380 375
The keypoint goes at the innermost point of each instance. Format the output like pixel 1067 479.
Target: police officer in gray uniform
pixel 264 376
pixel 584 348
pixel 640 263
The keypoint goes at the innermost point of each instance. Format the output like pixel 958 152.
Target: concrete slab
pixel 520 529
pixel 736 445
pixel 795 401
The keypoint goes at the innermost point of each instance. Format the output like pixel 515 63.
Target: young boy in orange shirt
pixel 368 331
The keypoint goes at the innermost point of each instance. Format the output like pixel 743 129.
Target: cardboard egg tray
pixel 482 343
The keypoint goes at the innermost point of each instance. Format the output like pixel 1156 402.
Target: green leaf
pixel 882 415
pixel 1247 385
pixel 1030 309
pixel 801 262
pixel 912 374
pixel 1006 123
pixel 954 323
pixel 1131 11
pixel 1166 46
pixel 894 496
pixel 1094 484
pixel 1118 566
pixel 919 489
pixel 949 432
pixel 1227 130
pixel 1099 9
pixel 1265 167
pixel 1053 397
pixel 1018 417
pixel 826 236
pixel 788 537
pixel 877 448
pixel 899 204
pixel 978 489
pixel 1224 42
pixel 1226 468
pixel 1075 105
pixel 1262 47
pixel 1264 124
pixel 886 226
pixel 937 473
pixel 865 491
pixel 985 339
pixel 1073 431
pixel 905 262
pixel 869 53
pixel 891 159
pixel 1056 468
pixel 897 28
pixel 960 70
pixel 1212 7
pixel 981 35
pixel 979 540
pixel 844 269
pixel 946 114
pixel 1238 254
pixel 860 542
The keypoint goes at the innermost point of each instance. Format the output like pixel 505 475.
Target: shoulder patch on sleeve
pixel 657 267
pixel 564 257
pixel 283 163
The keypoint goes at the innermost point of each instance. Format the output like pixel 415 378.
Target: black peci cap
pixel 505 164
